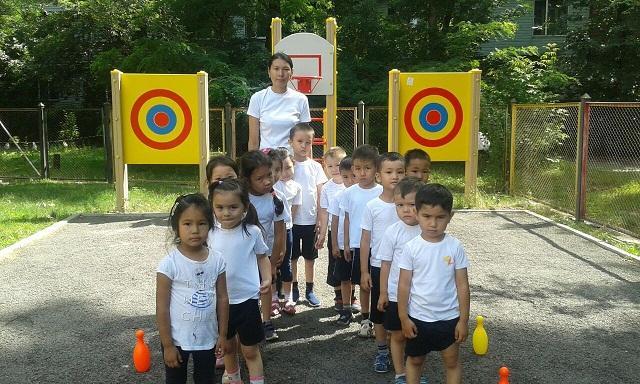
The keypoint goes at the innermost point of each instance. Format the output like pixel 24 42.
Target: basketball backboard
pixel 313 63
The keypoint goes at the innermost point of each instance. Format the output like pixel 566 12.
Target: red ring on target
pixel 408 121
pixel 135 113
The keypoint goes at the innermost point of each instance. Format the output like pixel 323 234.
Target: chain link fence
pixel 580 158
pixel 19 142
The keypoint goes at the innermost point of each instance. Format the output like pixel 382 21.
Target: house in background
pixel 540 22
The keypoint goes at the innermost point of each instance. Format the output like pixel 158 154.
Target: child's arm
pixel 254 133
pixel 172 357
pixel 279 236
pixel 222 310
pixel 409 329
pixel 264 266
pixel 323 220
pixel 318 193
pixel 383 300
pixel 335 222
pixel 365 244
pixel 347 246
pixel 462 286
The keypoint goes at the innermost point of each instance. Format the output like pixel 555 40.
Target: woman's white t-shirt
pixel 278 113
pixel 239 250
pixel 192 308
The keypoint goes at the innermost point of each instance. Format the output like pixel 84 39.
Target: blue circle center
pixel 439 108
pixel 151 114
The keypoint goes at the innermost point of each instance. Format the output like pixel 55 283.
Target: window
pixel 549 17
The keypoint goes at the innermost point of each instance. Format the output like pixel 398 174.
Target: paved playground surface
pixel 558 308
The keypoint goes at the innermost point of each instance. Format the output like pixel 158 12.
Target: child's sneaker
pixel 355 305
pixel 400 380
pixel 295 292
pixel 423 380
pixel 270 333
pixel 289 308
pixel 366 329
pixel 345 318
pixel 312 299
pixel 275 307
pixel 228 379
pixel 338 305
pixel 381 363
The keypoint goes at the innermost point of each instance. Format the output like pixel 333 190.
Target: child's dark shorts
pixel 348 270
pixel 432 336
pixel 375 316
pixel 331 279
pixel 285 268
pixel 391 318
pixel 304 242
pixel 246 321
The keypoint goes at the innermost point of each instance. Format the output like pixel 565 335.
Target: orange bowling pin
pixel 504 375
pixel 141 353
pixel 480 338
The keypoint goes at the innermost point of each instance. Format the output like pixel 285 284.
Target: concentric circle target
pixel 434 117
pixel 160 118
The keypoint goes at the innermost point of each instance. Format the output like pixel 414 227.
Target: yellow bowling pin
pixel 480 338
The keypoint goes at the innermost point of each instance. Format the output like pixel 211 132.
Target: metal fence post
pixel 360 135
pixel 228 132
pixel 508 128
pixel 108 144
pixel 44 142
pixel 582 153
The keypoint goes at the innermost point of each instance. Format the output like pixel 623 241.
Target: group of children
pixel 235 260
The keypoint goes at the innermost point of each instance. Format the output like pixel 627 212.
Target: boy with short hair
pixel 336 236
pixel 394 239
pixel 353 202
pixel 418 164
pixel 433 289
pixel 310 175
pixel 379 214
pixel 329 191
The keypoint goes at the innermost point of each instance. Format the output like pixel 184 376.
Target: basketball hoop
pixel 304 83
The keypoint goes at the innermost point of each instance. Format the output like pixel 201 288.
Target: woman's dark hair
pixel 181 204
pixel 240 189
pixel 218 161
pixel 281 56
pixel 253 160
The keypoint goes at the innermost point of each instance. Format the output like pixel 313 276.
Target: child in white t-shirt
pixel 433 288
pixel 353 202
pixel 310 175
pixel 379 214
pixel 192 306
pixel 330 189
pixel 393 241
pixel 418 164
pixel 292 192
pixel 238 239
pixel 256 170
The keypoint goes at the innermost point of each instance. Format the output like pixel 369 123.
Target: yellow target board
pixel 160 119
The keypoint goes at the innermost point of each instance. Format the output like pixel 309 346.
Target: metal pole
pixel 108 145
pixel 361 137
pixel 228 132
pixel 44 143
pixel 581 157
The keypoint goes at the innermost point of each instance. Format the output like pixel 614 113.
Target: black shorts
pixel 304 242
pixel 331 280
pixel 348 270
pixel 246 321
pixel 391 318
pixel 375 316
pixel 432 336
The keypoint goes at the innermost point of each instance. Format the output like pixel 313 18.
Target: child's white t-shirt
pixel 353 202
pixel 309 174
pixel 292 192
pixel 239 251
pixel 192 306
pixel 334 210
pixel 278 113
pixel 433 295
pixel 267 214
pixel 391 247
pixel 329 191
pixel 378 216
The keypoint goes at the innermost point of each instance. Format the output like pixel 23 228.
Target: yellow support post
pixel 203 128
pixel 119 167
pixel 394 104
pixel 332 100
pixel 471 165
pixel 276 33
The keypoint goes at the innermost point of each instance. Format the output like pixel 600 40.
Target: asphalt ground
pixel 558 308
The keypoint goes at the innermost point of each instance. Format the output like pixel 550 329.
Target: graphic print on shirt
pixel 201 298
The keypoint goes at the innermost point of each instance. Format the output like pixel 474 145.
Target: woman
pixel 274 110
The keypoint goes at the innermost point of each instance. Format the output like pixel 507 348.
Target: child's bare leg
pixel 364 300
pixel 452 366
pixel 286 290
pixel 253 359
pixel 294 269
pixel 414 369
pixel 345 287
pixel 265 305
pixel 231 357
pixel 397 351
pixel 309 270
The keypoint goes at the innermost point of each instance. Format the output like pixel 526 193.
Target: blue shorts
pixel 432 336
